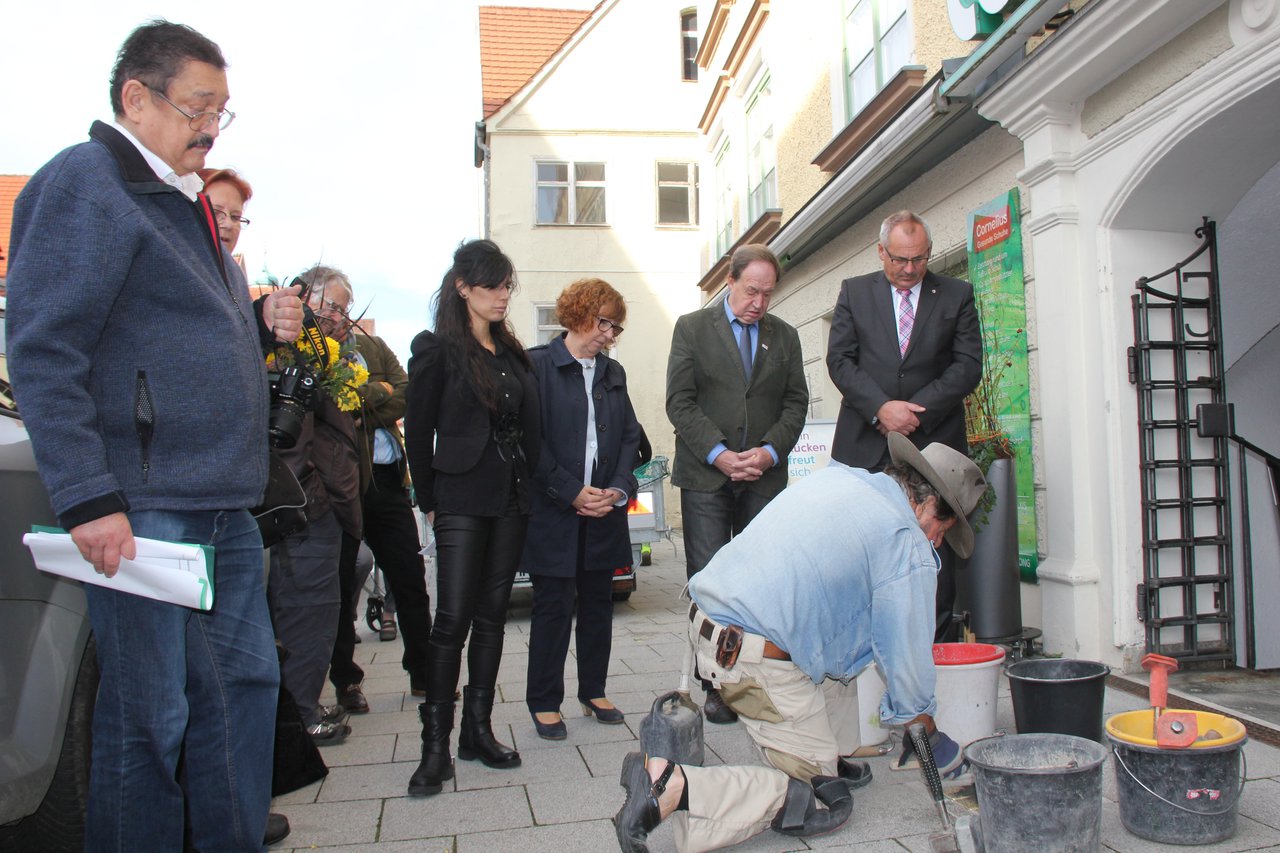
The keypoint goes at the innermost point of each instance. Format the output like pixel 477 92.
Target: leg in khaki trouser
pixel 727 805
pixel 800 728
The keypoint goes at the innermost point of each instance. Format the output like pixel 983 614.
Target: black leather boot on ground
pixel 437 765
pixel 476 740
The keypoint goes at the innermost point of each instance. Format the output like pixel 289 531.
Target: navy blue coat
pixel 551 547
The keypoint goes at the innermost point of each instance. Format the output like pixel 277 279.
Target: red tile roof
pixel 10 186
pixel 515 42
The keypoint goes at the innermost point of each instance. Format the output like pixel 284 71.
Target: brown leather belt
pixel 707 628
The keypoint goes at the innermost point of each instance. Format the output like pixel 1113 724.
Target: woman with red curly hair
pixel 228 193
pixel 578 533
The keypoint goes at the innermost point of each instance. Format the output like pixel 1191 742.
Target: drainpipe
pixel 482 160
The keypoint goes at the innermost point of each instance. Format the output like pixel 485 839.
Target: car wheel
pixel 58 824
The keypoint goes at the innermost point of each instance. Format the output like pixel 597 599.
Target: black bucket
pixel 1039 792
pixel 1178 796
pixel 1058 696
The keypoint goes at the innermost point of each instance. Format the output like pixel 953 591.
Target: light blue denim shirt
pixel 836 571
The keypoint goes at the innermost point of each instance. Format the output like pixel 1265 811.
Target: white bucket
pixel 870 691
pixel 968 680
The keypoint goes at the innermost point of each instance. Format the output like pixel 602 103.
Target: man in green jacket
pixel 737 397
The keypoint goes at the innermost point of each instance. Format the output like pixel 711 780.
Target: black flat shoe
pixel 277 829
pixel 608 716
pixel 550 731
pixel 640 814
pixel 716 711
pixel 854 773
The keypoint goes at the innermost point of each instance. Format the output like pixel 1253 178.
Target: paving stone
pixel 356 749
pixel 368 782
pixel 457 813
pixel 586 835
pixel 563 765
pixel 322 824
pixel 585 800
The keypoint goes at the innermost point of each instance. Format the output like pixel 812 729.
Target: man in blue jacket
pixel 835 573
pixel 136 358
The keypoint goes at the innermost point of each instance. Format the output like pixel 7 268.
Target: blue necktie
pixel 744 348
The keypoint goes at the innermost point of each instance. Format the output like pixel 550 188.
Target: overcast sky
pixel 354 124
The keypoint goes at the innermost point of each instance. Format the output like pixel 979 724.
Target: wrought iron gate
pixel 1185 599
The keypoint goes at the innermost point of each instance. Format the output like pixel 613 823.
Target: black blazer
pixel 942 365
pixel 453 458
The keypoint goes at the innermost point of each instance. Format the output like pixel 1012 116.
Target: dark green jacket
pixel 709 400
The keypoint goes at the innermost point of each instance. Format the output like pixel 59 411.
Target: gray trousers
pixel 305 597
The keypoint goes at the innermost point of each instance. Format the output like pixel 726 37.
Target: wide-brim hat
pixel 958 480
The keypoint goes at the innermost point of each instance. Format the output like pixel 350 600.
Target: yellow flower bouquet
pixel 336 367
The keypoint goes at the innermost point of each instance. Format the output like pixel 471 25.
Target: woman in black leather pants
pixel 472 436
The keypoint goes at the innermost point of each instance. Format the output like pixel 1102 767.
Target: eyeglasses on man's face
pixel 199 121
pixel 917 261
pixel 320 304
pixel 606 324
pixel 224 218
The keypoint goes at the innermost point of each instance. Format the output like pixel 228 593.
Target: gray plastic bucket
pixel 1040 792
pixel 1178 796
pixel 1058 696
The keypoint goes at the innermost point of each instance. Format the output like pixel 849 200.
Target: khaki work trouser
pixel 800 728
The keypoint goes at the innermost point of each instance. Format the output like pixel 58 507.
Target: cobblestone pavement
pixel 563 795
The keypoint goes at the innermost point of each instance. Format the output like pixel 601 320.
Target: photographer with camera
pixel 316 437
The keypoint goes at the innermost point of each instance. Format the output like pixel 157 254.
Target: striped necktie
pixel 906 319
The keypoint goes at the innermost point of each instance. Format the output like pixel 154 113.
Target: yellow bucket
pixel 1138 727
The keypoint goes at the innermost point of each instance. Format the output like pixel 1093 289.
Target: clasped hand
pixel 744 466
pixel 596 503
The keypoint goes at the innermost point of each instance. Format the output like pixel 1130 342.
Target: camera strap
pixel 319 341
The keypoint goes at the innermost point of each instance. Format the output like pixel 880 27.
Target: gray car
pixel 48 668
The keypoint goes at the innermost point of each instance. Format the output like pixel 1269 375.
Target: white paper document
pixel 175 572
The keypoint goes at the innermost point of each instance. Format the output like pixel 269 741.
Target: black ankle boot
pixel 437 765
pixel 476 739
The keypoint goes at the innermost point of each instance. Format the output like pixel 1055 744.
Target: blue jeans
pixel 186 704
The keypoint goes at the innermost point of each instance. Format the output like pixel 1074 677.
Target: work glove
pixel 947 754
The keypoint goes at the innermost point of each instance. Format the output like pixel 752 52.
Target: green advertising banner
pixel 995 268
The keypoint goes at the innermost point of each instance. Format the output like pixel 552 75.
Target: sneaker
pixel 325 733
pixel 352 700
pixel 333 714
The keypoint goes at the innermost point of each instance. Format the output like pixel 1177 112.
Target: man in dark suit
pixel 905 350
pixel 737 397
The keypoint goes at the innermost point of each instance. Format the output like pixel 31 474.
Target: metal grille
pixel 1185 599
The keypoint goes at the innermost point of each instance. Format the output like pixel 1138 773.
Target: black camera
pixel 293 394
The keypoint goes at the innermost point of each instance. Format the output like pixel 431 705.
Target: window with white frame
pixel 689 44
pixel 546 326
pixel 877 43
pixel 569 193
pixel 677 193
pixel 762 160
pixel 724 201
